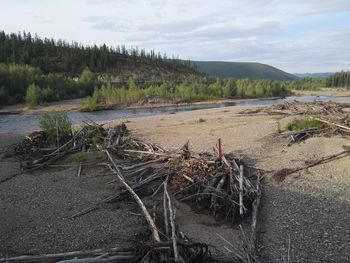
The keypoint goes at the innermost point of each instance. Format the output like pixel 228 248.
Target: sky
pixel 295 36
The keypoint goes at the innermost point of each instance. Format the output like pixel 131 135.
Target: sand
pixel 306 216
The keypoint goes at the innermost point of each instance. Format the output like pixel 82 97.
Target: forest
pixel 18 80
pixel 19 83
pixel 37 71
pixel 71 59
pixel 339 79
pixel 190 90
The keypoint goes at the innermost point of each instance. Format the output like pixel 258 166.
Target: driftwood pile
pixel 214 183
pixel 333 116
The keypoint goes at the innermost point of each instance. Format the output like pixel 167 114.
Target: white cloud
pixel 295 35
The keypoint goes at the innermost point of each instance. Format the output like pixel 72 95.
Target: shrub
pixel 53 122
pixel 303 124
pixel 90 104
pixel 33 96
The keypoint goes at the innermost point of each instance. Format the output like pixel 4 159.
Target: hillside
pixel 241 70
pixel 70 59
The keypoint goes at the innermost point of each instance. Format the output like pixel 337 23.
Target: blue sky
pixel 296 36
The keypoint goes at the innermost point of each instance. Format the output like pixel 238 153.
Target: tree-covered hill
pixel 70 59
pixel 242 70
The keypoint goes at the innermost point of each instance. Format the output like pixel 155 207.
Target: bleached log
pixel 343 127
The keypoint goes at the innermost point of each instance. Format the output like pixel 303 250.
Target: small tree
pixel 87 77
pixel 87 81
pixel 56 126
pixel 33 96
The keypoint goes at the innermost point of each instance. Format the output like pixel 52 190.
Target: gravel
pixel 306 216
pixel 36 210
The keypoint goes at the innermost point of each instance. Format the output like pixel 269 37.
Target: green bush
pixel 56 122
pixel 33 96
pixel 90 104
pixel 303 124
pixel 190 90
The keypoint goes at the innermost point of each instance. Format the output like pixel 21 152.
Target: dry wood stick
pixel 172 224
pixel 218 189
pixel 115 196
pixel 65 255
pixel 187 178
pixel 149 219
pixel 241 190
pixel 318 162
pixel 49 161
pixel 64 145
pixel 166 222
pixel 140 164
pixel 255 212
pixel 153 153
pixel 345 128
pixel 224 159
pixel 79 170
pixel 116 258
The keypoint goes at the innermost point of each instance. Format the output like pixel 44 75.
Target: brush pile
pixel 214 183
pixel 333 117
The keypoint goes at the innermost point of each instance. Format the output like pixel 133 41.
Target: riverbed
pixel 22 123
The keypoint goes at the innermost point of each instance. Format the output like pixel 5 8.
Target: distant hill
pixel 241 70
pixel 313 75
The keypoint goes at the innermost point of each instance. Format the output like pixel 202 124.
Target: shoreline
pixel 74 105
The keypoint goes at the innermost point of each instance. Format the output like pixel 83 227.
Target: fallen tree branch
pixel 148 217
pixel 172 224
pixel 280 175
pixel 343 127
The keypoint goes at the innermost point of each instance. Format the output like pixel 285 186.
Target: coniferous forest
pixel 71 59
pixel 36 71
pixel 339 79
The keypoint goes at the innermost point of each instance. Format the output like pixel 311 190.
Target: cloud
pixel 296 35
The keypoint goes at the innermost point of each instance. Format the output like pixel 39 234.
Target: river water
pixel 22 123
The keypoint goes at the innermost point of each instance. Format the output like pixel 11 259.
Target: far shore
pixel 74 105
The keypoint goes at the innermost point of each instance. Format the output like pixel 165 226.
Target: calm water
pixel 12 123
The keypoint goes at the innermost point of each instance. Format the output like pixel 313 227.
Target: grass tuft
pixel 303 124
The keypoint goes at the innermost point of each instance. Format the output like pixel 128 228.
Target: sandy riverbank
pixel 75 105
pixel 308 211
pixel 323 92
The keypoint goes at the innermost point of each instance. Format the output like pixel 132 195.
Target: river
pixel 22 123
